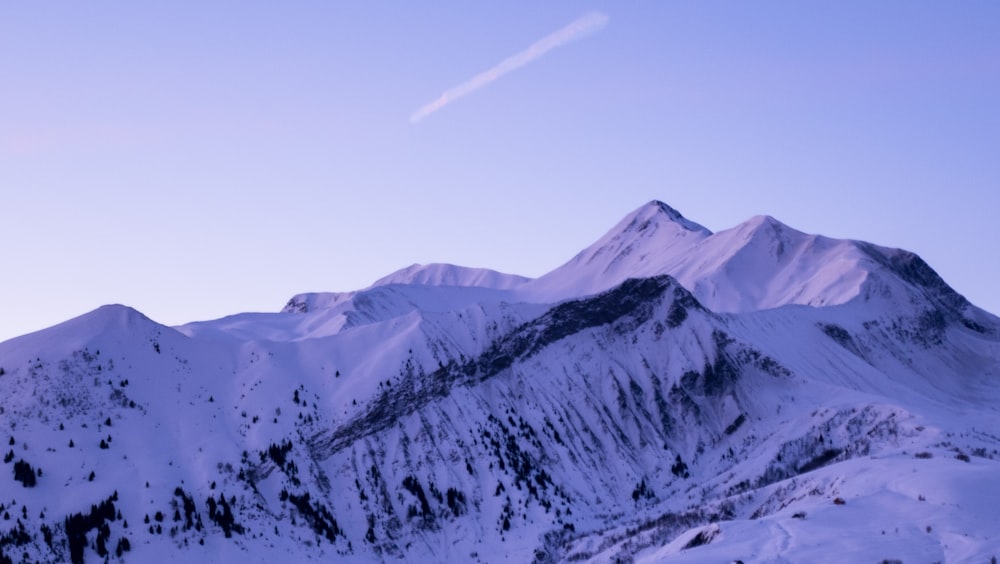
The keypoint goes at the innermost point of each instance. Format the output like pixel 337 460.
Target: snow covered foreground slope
pixel 669 394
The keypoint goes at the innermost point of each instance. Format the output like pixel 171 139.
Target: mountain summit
pixel 640 245
pixel 756 265
pixel 668 394
pixel 451 275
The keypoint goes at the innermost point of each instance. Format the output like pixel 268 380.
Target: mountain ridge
pixel 441 274
pixel 668 393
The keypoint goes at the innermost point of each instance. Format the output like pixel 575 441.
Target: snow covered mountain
pixel 757 394
pixel 451 275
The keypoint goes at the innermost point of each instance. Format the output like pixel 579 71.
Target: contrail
pixel 587 23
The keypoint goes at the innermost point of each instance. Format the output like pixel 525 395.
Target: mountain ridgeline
pixel 669 393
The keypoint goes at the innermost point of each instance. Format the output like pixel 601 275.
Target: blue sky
pixel 194 160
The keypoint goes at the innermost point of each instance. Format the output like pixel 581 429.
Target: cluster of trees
pixel 24 473
pixel 456 501
pixel 316 514
pixel 78 525
pixel 191 516
pixel 412 485
pixel 642 491
pixel 17 536
pixel 221 514
pixel 679 468
pixel 278 453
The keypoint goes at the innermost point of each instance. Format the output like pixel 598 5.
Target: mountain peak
pixel 638 246
pixel 640 371
pixel 768 228
pixel 105 318
pixel 107 321
pixel 441 274
pixel 759 222
pixel 656 209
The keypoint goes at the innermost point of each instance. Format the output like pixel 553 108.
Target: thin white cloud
pixel 585 24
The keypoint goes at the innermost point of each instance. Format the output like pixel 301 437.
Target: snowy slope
pixel 669 394
pixel 451 275
pixel 759 264
pixel 645 243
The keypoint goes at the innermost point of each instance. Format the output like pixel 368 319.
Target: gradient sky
pixel 197 159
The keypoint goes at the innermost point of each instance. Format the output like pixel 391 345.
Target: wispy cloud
pixel 585 24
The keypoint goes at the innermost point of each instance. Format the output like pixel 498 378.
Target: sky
pixel 194 160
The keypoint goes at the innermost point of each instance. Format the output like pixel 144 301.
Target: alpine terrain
pixel 669 394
